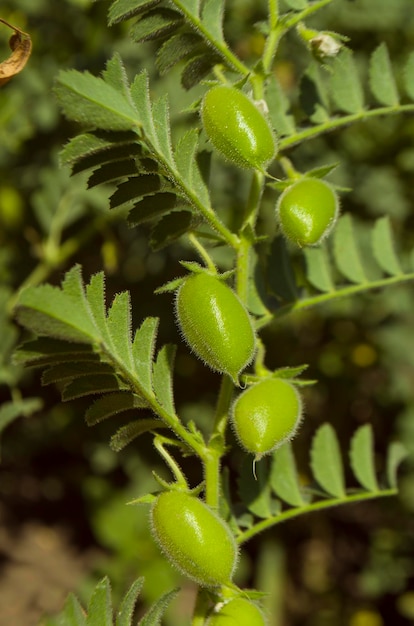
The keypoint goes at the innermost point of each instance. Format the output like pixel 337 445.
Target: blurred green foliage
pixel 352 566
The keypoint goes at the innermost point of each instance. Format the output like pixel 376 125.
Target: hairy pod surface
pixel 194 538
pixel 307 211
pixel 266 415
pixel 238 612
pixel 215 324
pixel 236 128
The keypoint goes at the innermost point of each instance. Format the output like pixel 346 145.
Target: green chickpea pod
pixel 215 324
pixel 307 211
pixel 236 128
pixel 266 415
pixel 194 538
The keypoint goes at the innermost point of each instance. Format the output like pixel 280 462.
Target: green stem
pixel 202 252
pixel 317 506
pixel 314 131
pixel 212 461
pixel 246 236
pixel 201 608
pixel 223 405
pixel 213 42
pixel 306 303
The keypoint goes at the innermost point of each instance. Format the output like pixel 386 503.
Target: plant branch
pixel 306 303
pixel 316 506
pixel 333 124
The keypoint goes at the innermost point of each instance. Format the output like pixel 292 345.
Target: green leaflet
pixel 154 615
pixel 109 172
pixel 131 431
pixel 396 454
pixel 64 372
pixel 134 188
pixel 155 24
pixel 161 117
pixel 100 605
pixel 345 84
pixel 99 612
pixel 381 77
pixel 162 378
pixel 187 166
pixel 72 614
pixel 362 458
pixel 142 102
pixel 326 462
pixel 126 610
pixel 284 477
pixel 113 404
pixel 119 328
pixel 346 253
pixel 319 268
pixel 383 247
pixel 121 10
pixel 93 102
pixel 279 105
pixel 212 18
pixel 143 350
pixel 91 384
pixel 409 76
pixel 175 49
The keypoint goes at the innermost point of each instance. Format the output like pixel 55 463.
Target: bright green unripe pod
pixel 266 415
pixel 194 538
pixel 236 127
pixel 215 324
pixel 238 612
pixel 307 211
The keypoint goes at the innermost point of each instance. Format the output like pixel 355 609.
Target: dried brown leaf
pixel 21 47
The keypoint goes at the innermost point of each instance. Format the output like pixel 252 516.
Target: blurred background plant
pixel 354 565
